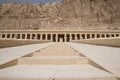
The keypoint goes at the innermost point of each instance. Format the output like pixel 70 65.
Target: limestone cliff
pixel 68 14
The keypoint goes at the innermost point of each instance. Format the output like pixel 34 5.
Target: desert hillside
pixel 65 15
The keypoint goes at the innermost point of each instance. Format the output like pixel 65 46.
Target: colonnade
pixel 56 37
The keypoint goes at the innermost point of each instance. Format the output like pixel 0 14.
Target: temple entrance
pixel 61 38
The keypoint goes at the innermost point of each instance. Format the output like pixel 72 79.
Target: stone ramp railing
pixel 10 54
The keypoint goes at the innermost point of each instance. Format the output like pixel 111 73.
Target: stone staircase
pixel 56 62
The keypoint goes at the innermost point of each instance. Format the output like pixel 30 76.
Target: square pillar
pixel 56 37
pixel 5 36
pixel 85 36
pixel 95 35
pixel 10 36
pixel 51 37
pixel 20 36
pixel 65 38
pixel 105 35
pixel 100 35
pixel 114 35
pixel 35 38
pixel 25 36
pixel 90 36
pixel 46 37
pixel 70 37
pixel 30 36
pixel 41 36
pixel 81 36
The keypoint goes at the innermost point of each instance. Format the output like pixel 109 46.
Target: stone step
pixel 55 53
pixel 54 72
pixel 55 60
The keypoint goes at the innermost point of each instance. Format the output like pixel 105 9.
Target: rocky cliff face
pixel 101 12
pixel 68 14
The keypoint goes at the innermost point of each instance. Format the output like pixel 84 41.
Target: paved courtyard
pixel 61 61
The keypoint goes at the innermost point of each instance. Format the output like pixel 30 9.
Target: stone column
pixel 114 35
pixel 81 36
pixel 41 37
pixel 56 37
pixel 25 36
pixel 90 36
pixel 1 35
pixel 51 37
pixel 10 36
pixel 105 35
pixel 70 37
pixel 30 36
pixel 5 36
pixel 85 36
pixel 65 38
pixel 46 37
pixel 95 35
pixel 35 38
pixel 76 38
pixel 100 35
pixel 20 36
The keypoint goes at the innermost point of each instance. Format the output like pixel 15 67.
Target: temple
pixel 56 36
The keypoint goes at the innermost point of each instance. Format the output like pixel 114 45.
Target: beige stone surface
pixel 57 52
pixel 11 42
pixel 58 49
pixel 102 41
pixel 9 54
pixel 107 57
pixel 56 60
pixel 61 72
pixel 44 67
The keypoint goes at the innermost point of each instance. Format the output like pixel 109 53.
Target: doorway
pixel 61 38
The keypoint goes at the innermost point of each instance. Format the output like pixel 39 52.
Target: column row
pixel 26 36
pixel 56 37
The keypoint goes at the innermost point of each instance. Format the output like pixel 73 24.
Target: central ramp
pixel 56 62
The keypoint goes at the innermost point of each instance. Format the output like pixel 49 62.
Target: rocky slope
pixel 65 15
